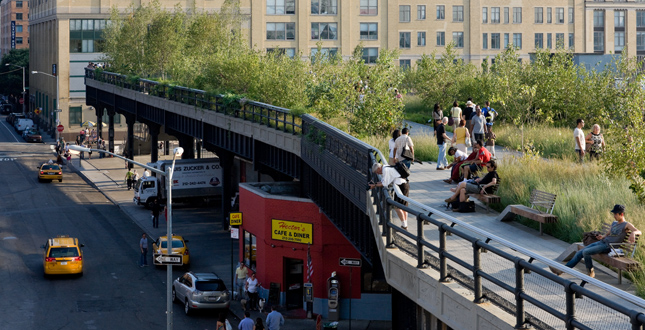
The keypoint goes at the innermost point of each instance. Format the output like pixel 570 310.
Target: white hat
pixel 469 103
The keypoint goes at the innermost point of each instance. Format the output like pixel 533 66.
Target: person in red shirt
pixel 455 173
pixel 483 157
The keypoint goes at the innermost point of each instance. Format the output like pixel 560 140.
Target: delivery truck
pixel 193 181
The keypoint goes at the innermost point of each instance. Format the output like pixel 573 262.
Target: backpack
pixel 403 170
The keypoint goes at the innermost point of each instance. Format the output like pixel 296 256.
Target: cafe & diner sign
pixel 290 231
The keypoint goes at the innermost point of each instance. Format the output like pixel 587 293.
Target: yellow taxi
pixel 50 172
pixel 179 247
pixel 63 255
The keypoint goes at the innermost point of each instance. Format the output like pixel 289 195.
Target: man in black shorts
pixel 389 175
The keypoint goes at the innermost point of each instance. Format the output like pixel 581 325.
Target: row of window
pixel 559 40
pixel 495 15
pixel 76 116
pixel 559 15
pixel 287 31
pixel 619 19
pixel 619 41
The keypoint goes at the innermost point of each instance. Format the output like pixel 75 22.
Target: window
pixel 506 40
pixel 640 19
pixel 458 39
pixel 457 13
pixel 549 44
pixel 640 41
pixel 369 7
pixel 18 28
pixel 517 40
pixel 421 38
pixel 76 115
pixel 598 41
pixel 506 18
pixel 290 52
pixel 559 40
pixel 281 31
pixel 619 18
pixel 485 41
pixel 517 15
pixel 86 35
pixel 323 31
pixel 539 40
pixel 370 55
pixel 559 15
pixel 324 7
pixel 404 13
pixel 405 64
pixel 281 7
pixel 484 14
pixel 441 38
pixel 619 41
pixel 598 18
pixel 571 41
pixel 404 39
pixel 494 15
pixel 19 16
pixel 18 4
pixel 549 15
pixel 421 12
pixel 539 15
pixel 324 51
pixel 369 31
pixel 571 15
pixel 494 41
pixel 250 249
pixel 441 12
pixel 18 40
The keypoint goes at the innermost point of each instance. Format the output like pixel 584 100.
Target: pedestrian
pixel 241 274
pixel 442 141
pixel 156 208
pixel 595 143
pixel 389 175
pixel 143 245
pixel 274 319
pixel 617 233
pixel 459 137
pixel 135 176
pixel 468 112
pixel 128 179
pixel 579 139
pixel 478 124
pixel 437 115
pixel 455 112
pixel 221 322
pixel 146 173
pixel 90 151
pixel 392 145
pixel 246 323
pixel 125 155
pixel 259 324
pixel 398 95
pixel 401 143
pixel 252 285
pixel 68 155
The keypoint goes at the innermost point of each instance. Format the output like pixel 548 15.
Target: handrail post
pixel 520 317
pixel 476 268
pixel 443 262
pixel 420 238
pixel 570 314
pixel 388 219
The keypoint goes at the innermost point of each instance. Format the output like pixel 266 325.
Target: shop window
pixel 250 250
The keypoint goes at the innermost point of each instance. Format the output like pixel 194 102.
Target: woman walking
pixel 437 115
pixel 459 137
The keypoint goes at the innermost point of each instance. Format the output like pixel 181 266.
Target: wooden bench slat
pixel 533 214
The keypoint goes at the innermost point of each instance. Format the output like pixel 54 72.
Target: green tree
pixel 11 82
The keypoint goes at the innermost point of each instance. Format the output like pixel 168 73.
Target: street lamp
pixel 57 111
pixel 23 86
pixel 168 174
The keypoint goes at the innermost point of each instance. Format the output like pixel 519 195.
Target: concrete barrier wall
pixel 286 141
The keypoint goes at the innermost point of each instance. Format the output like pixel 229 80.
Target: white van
pixel 23 123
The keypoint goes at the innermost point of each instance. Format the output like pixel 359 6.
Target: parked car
pixel 63 255
pixel 200 291
pixel 10 118
pixel 22 124
pixel 32 135
pixel 5 108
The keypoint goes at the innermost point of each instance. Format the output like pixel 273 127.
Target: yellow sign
pixel 296 232
pixel 235 218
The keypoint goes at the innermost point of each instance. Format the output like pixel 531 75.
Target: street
pixel 114 291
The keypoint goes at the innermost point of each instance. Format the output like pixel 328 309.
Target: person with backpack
pixel 390 175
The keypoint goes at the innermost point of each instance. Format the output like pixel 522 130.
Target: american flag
pixel 310 265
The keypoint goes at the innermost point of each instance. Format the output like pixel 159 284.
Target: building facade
pixel 14 25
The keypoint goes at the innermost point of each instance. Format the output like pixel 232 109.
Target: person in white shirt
pixel 579 138
pixel 401 143
pixel 390 175
pixel 252 285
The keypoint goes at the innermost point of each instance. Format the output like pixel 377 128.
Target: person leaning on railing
pixel 390 175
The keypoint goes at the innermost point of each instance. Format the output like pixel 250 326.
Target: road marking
pixel 9 237
pixel 10 131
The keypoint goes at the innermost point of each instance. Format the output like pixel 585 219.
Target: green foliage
pixel 11 82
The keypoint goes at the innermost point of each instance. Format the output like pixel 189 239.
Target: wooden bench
pixel 542 204
pixel 488 199
pixel 622 263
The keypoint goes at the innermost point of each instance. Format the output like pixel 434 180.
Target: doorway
pixel 293 278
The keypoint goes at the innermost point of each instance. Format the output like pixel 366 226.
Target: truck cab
pixel 146 190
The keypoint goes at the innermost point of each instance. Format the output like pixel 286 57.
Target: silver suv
pixel 200 291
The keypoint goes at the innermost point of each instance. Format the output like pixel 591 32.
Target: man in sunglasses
pixel 478 186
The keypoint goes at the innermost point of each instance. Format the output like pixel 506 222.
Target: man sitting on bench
pixel 483 156
pixel 616 234
pixel 479 186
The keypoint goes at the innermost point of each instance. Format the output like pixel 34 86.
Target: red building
pixel 278 229
pixel 14 25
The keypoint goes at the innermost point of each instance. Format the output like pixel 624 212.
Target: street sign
pixel 236 218
pixel 169 259
pixel 349 262
pixel 58 110
pixel 60 128
pixel 21 101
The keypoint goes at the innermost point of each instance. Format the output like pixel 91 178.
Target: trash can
pixel 330 325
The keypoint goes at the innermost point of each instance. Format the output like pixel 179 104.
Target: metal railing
pixel 564 310
pixel 257 112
